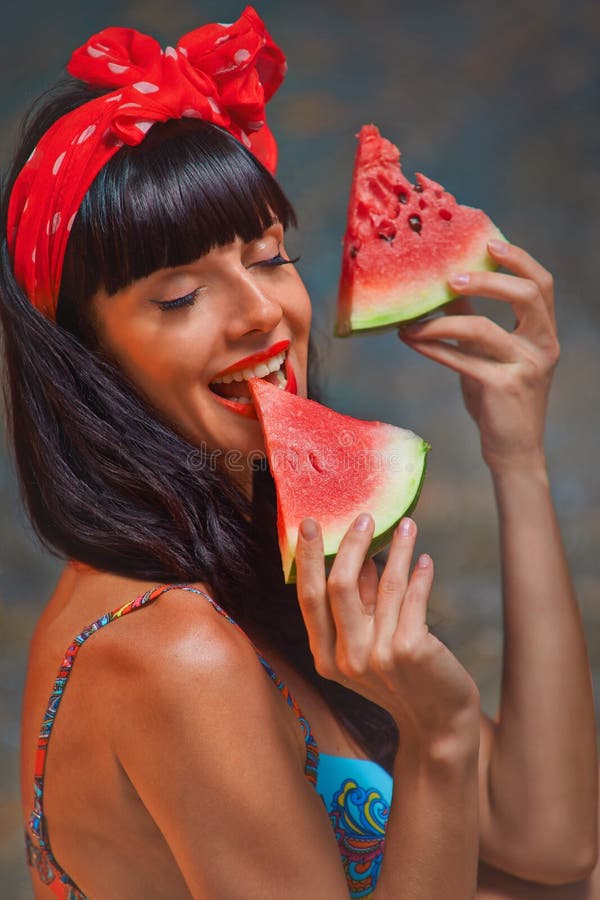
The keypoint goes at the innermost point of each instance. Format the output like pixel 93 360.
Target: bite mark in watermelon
pixel 331 467
pixel 402 242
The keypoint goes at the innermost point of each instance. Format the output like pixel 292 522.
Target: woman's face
pixel 236 301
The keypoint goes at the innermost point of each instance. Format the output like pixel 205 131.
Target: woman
pixel 144 263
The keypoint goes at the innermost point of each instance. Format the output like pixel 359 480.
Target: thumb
pixel 460 306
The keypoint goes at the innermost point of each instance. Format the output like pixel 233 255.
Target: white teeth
pixel 258 371
pixel 276 362
pixel 261 370
pixel 282 383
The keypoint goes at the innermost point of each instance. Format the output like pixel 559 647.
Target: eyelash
pixel 189 299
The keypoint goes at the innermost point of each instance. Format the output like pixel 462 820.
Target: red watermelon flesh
pixel 402 242
pixel 332 467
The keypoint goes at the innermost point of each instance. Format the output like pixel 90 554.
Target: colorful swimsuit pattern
pixel 356 793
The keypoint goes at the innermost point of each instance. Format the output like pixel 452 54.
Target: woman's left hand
pixel 505 377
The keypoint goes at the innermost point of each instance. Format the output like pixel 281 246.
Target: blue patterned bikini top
pixel 357 793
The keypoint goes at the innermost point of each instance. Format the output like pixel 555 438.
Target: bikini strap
pixel 39 854
pixel 312 752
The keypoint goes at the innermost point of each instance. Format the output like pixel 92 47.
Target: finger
pixel 342 585
pixel 482 370
pixel 491 340
pixel 368 580
pixel 394 580
pixel 460 306
pixel 522 263
pixel 522 294
pixel 413 615
pixel 312 595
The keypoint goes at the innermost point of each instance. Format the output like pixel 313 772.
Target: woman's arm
pixel 432 834
pixel 544 759
pixel 539 771
pixel 371 635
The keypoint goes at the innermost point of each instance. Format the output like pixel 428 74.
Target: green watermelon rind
pixel 434 298
pixel 381 540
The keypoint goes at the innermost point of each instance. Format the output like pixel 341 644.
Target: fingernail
pixel 405 527
pixel 423 561
pixel 363 522
pixel 308 528
pixel 459 280
pixel 498 247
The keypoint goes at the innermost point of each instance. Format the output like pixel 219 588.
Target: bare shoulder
pixel 202 734
pixel 179 654
pixel 179 636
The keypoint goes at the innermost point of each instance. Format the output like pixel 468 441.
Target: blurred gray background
pixel 499 103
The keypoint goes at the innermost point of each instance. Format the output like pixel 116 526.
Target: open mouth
pixel 234 388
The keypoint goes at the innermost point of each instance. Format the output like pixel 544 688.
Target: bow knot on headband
pixel 221 73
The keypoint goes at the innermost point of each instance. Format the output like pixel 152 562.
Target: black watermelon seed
pixel 418 188
pixel 386 237
pixel 353 250
pixel 415 223
pixel 402 197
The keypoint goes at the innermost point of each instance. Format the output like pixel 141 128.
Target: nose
pixel 252 309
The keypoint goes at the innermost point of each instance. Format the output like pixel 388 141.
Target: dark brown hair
pixel 104 479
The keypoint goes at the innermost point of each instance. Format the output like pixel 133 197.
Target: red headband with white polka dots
pixel 222 73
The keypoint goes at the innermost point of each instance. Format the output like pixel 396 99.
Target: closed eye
pixel 189 299
pixel 186 300
pixel 277 260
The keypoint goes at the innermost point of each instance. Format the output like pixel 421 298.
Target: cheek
pixel 299 318
pixel 171 348
pixel 300 310
pixel 158 361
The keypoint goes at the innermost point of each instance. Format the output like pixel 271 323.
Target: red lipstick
pixel 249 362
pixel 247 409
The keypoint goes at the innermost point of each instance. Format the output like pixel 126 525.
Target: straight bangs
pixel 188 187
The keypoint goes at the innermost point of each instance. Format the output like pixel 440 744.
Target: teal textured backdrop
pixel 499 103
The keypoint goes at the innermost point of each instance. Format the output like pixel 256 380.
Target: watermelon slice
pixel 402 242
pixel 332 467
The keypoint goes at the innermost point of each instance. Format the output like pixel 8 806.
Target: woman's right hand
pixel 371 635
